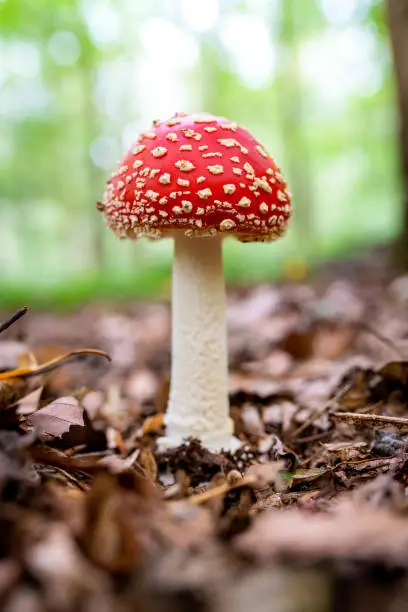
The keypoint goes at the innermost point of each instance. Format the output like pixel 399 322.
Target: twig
pixel 315 415
pixel 51 365
pixel 15 317
pixel 371 419
pixel 201 498
pixel 383 339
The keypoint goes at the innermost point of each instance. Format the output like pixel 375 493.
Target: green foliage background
pixel 75 80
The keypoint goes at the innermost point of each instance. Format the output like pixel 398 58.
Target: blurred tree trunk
pixel 398 22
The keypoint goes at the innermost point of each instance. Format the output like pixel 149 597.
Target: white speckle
pixel 172 136
pixel 150 209
pixel 261 151
pixel 150 135
pixel 137 164
pixel 165 179
pixel 173 195
pixel 177 209
pixel 228 142
pixel 227 224
pixel 153 219
pixel 199 223
pixel 163 200
pixel 201 179
pixel 243 149
pixel 183 182
pixel 138 149
pixel 144 172
pixel 120 184
pixel 269 171
pixel 210 129
pixel 154 172
pixel 152 195
pixel 215 154
pixel 229 126
pixel 203 148
pixel 244 202
pixel 204 120
pixel 159 151
pixel 187 206
pixel 235 159
pixel 186 147
pixel 272 220
pixel 204 194
pixel 163 213
pixel 188 133
pixel 217 169
pixel 241 218
pixel 184 165
pixel 281 196
pixel 172 122
pixel 237 171
pixel 263 185
pixel 249 169
pixel 200 211
pixel 229 188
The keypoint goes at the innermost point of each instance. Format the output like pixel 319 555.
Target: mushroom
pixel 197 179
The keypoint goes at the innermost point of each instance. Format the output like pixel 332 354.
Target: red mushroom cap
pixel 200 174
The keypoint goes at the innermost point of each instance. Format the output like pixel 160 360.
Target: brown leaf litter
pixel 310 514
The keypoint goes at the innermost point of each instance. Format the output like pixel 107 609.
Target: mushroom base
pixel 224 442
pixel 198 404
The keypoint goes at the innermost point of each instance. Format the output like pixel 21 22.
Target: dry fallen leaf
pixel 57 418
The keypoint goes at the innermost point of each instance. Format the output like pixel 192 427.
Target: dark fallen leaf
pixel 120 515
pixel 16 470
pixel 10 392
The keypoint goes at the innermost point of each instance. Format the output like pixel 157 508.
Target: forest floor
pixel 310 515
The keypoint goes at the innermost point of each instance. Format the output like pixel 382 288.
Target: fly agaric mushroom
pixel 198 179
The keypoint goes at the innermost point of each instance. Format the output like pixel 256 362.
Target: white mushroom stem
pixel 198 405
